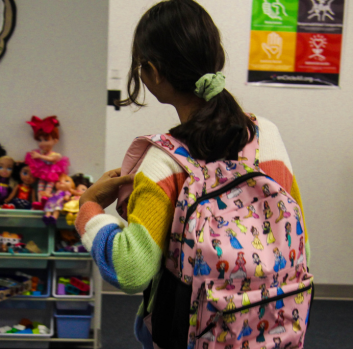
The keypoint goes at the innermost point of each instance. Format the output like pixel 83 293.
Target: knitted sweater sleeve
pixel 129 256
pixel 274 160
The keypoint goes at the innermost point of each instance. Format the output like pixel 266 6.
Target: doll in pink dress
pixel 64 187
pixel 45 164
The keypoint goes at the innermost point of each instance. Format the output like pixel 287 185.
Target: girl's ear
pixel 158 78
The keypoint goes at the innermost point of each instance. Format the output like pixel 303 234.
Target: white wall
pixel 55 64
pixel 316 126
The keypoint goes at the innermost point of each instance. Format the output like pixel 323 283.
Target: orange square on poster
pixel 272 51
pixel 319 53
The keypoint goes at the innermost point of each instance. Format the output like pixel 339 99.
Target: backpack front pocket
pixel 274 317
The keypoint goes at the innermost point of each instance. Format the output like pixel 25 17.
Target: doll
pixel 45 164
pixel 64 189
pixel 23 194
pixel 6 168
pixel 72 207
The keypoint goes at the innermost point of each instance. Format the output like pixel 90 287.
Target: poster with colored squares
pixel 296 42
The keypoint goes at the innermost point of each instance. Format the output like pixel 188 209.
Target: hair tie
pixel 210 85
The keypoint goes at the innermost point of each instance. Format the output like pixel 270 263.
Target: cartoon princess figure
pixel 299 299
pixel 239 271
pixel 219 178
pixel 192 341
pixel 265 294
pixel 292 257
pixel 245 345
pixel 205 172
pixel 262 327
pixel 193 313
pixel 209 293
pixel 238 203
pixel 266 190
pixel 242 227
pixel 283 213
pixel 267 210
pixel 201 267
pixel 298 217
pixel 233 239
pixel 267 230
pixel 251 212
pixel 279 324
pixel 301 251
pixel 222 337
pixel 256 242
pixel 229 318
pixel 219 219
pixel 280 261
pixel 245 331
pixel 275 283
pixel 288 229
pixel 163 141
pixel 192 176
pixel 296 320
pixel 222 267
pixel 245 302
pixel 258 270
pixel 230 165
pixel 210 335
pixel 216 245
pixel 45 164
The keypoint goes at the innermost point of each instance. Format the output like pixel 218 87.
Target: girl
pixel 23 194
pixel 45 164
pixel 178 55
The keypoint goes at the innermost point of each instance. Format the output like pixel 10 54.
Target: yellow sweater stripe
pixel 150 207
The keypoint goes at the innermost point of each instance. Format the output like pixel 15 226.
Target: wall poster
pixel 296 42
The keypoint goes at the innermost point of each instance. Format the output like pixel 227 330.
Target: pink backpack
pixel 236 275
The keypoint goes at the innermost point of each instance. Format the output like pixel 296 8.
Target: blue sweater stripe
pixel 102 252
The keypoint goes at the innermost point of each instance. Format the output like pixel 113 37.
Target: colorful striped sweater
pixel 129 256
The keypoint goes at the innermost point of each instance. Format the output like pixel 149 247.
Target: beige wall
pixel 316 126
pixel 56 63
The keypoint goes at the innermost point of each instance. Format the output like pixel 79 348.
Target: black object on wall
pixel 113 95
pixel 7 23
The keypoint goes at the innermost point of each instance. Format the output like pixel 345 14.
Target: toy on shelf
pixel 69 241
pixel 14 285
pixel 23 194
pixel 55 203
pixel 72 206
pixel 6 168
pixel 45 164
pixel 75 285
pixel 26 326
pixel 12 243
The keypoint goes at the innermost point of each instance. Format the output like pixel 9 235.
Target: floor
pixel 331 324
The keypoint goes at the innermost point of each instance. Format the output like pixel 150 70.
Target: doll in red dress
pixel 45 164
pixel 22 194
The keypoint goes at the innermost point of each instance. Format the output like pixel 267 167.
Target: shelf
pixel 81 340
pixel 52 299
pixel 63 258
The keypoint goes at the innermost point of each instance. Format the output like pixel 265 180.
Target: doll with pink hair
pixel 45 164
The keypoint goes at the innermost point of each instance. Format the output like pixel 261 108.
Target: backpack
pixel 235 275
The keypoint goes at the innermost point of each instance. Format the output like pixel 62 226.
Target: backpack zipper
pixel 262 302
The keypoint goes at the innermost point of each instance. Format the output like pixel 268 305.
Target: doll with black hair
pixel 23 194
pixel 72 207
pixel 6 168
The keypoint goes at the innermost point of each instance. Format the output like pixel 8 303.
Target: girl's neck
pixel 186 105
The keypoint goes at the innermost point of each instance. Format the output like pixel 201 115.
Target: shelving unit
pixel 23 219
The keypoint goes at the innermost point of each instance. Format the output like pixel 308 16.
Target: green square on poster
pixel 275 15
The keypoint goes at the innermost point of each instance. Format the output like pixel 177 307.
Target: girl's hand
pixel 104 191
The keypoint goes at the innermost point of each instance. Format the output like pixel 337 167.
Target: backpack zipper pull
pixel 211 325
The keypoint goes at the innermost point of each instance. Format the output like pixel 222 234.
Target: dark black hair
pixel 2 151
pixel 180 39
pixel 79 178
pixel 16 173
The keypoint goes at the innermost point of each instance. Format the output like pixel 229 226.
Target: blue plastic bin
pixel 73 323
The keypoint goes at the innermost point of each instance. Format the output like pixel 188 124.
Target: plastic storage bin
pixel 44 275
pixel 66 254
pixel 11 314
pixel 67 273
pixel 73 324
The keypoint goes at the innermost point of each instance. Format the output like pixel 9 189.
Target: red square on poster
pixel 319 53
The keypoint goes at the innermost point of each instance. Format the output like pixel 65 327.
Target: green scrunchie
pixel 210 85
